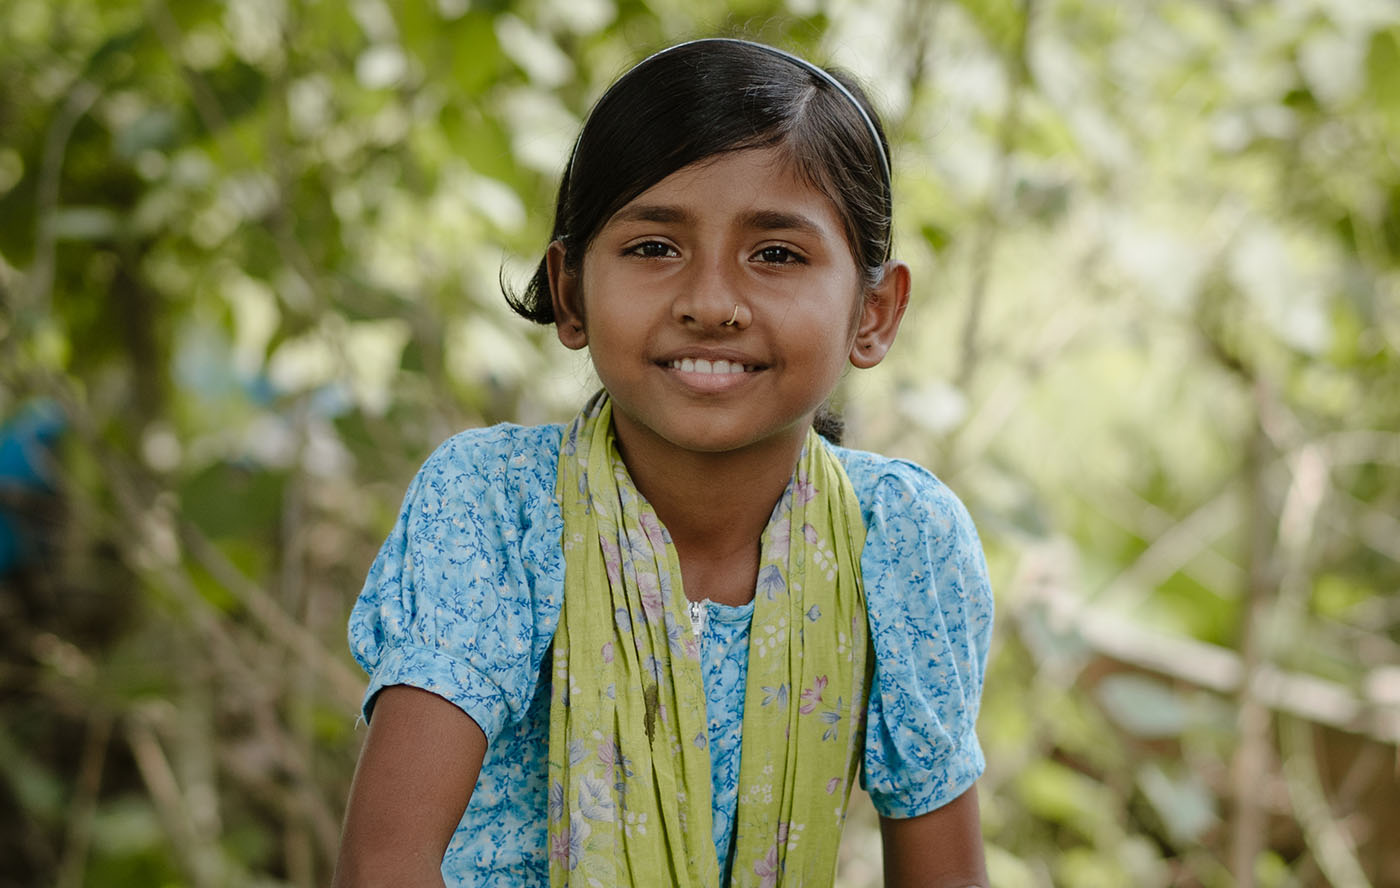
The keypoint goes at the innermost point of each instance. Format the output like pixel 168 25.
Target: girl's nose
pixel 710 297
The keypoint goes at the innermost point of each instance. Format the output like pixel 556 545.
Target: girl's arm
pixel 940 849
pixel 416 774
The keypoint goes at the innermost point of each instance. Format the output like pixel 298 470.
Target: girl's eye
pixel 776 255
pixel 652 250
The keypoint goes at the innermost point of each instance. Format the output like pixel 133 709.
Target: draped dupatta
pixel 629 761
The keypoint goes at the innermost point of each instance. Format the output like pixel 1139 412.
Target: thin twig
pixel 1172 549
pixel 1117 501
pixel 261 692
pixel 81 97
pixel 347 686
pixel 121 477
pixel 302 799
pixel 84 806
pixel 1253 754
pixel 1001 405
pixel 200 863
pixel 206 103
pixel 1331 845
pixel 1209 666
pixel 917 19
pixel 990 224
pixel 300 689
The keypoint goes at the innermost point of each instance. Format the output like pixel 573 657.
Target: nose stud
pixel 734 318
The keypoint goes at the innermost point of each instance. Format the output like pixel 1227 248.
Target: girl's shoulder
pixel 506 440
pixel 501 476
pixel 888 487
pixel 495 455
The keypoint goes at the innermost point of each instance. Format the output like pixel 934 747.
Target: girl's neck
pixel 714 505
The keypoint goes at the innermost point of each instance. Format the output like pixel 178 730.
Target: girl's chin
pixel 711 436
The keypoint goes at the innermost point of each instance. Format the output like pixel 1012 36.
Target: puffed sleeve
pixel 930 612
pixel 462 598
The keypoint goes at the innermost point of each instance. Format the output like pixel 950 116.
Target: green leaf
pixel 38 791
pixel 998 20
pixel 1383 75
pixel 84 223
pixel 126 827
pixel 1183 801
pixel 1006 870
pixel 235 500
pixel 476 59
pixel 1064 796
pixel 1142 705
pixel 154 129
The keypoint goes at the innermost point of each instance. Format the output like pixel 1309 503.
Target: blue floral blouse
pixel 463 600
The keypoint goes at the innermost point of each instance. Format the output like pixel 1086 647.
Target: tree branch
pixel 990 224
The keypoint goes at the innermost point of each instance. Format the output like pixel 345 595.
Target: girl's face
pixel 737 237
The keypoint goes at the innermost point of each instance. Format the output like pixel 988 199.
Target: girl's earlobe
pixel 567 298
pixel 881 315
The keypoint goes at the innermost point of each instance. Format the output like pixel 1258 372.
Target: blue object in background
pixel 27 441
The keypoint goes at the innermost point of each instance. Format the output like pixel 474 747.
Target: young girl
pixel 654 646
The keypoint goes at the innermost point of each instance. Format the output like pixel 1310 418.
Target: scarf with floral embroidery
pixel 629 763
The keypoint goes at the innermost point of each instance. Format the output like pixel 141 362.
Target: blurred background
pixel 250 255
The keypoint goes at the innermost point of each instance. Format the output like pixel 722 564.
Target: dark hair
pixel 703 98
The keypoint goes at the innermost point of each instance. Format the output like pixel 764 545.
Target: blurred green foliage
pixel 251 250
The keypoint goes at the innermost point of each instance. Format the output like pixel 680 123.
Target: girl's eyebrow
pixel 653 213
pixel 779 220
pixel 758 220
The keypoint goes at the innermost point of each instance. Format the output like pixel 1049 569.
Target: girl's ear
pixel 880 316
pixel 566 294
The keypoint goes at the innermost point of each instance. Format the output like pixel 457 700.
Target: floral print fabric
pixel 463 600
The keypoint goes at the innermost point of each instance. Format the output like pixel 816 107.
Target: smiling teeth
pixel 700 365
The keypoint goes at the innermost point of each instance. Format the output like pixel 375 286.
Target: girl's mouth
pixel 701 365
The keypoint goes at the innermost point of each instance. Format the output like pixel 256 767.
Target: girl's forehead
pixel 769 161
pixel 750 182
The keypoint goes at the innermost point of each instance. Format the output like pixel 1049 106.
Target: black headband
pixel 800 62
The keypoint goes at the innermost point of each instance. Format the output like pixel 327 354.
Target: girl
pixel 654 646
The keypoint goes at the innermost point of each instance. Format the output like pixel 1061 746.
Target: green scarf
pixel 629 763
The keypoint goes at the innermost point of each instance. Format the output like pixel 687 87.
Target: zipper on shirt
pixel 698 612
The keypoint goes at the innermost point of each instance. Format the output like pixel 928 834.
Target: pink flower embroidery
pixel 559 846
pixel 651 525
pixel 803 491
pixel 781 535
pixel 652 602
pixel 767 869
pixel 812 696
pixel 612 560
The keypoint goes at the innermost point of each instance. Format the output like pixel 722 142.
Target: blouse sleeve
pixel 930 611
pixel 456 602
